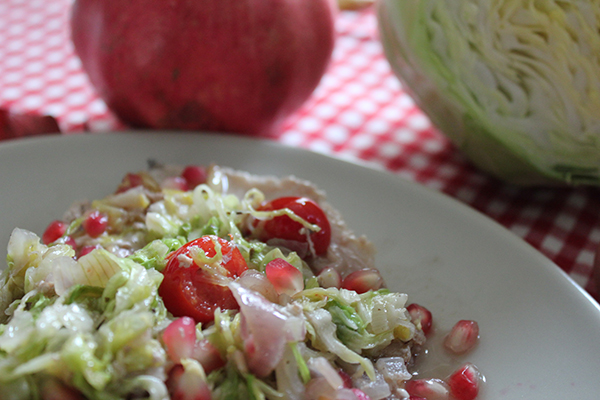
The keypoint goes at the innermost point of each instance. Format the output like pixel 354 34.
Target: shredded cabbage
pixel 100 328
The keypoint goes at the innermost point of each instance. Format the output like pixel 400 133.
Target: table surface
pixel 358 112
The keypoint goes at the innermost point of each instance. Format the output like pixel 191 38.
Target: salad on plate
pixel 211 283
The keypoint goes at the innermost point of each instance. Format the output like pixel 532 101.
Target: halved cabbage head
pixel 515 84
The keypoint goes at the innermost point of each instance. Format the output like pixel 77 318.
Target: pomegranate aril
pixel 70 241
pixel 130 181
pixel 284 276
pixel 175 183
pixel 186 385
pixel 360 395
pixel 363 280
pixel 347 379
pixel 464 382
pixel 596 269
pixel 54 231
pixel 329 277
pixel 95 223
pixel 429 389
pixel 194 175
pixel 420 316
pixel 208 356
pixel 463 337
pixel 16 125
pixel 180 339
pixel 87 250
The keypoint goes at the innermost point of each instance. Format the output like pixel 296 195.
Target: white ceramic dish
pixel 540 333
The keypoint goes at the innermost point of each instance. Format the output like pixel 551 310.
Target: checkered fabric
pixel 359 111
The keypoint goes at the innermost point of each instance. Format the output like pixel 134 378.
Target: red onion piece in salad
pixel 266 328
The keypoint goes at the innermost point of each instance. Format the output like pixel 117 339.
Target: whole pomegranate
pixel 222 65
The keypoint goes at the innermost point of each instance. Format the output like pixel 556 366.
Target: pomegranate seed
pixel 175 183
pixel 596 269
pixel 95 223
pixel 194 175
pixel 360 395
pixel 463 336
pixel 180 338
pixel 186 385
pixel 208 355
pixel 54 231
pixel 363 280
pixel 284 276
pixel 347 379
pixel 15 125
pixel 86 250
pixel 70 241
pixel 130 181
pixel 464 382
pixel 329 277
pixel 429 389
pixel 420 316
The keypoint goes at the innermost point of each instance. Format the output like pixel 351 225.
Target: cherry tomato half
pixel 283 227
pixel 192 291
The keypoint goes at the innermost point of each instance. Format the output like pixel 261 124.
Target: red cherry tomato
pixel 193 292
pixel 283 227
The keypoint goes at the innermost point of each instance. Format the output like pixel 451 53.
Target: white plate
pixel 540 334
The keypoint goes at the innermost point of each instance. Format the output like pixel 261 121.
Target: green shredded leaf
pixel 302 366
pixel 154 253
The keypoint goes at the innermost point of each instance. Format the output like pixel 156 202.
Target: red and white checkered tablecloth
pixel 359 111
